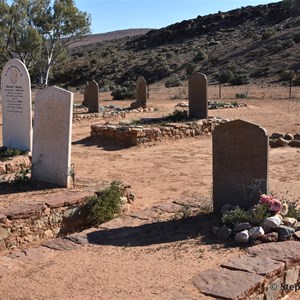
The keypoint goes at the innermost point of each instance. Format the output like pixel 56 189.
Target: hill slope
pixel 254 43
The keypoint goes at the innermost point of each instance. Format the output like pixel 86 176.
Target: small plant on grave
pixel 235 104
pixel 293 211
pixel 178 116
pixel 105 205
pixel 23 176
pixel 236 216
pixel 7 153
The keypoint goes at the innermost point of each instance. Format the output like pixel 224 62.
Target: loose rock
pixel 256 232
pixel 269 237
pixel 241 226
pixel 242 237
pixel 284 232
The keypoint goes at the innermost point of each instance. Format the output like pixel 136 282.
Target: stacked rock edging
pixel 136 135
pixel 283 140
pixel 52 216
pixel 110 111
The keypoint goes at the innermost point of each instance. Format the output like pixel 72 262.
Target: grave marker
pixel 240 164
pixel 92 94
pixel 51 154
pixel 198 100
pixel 141 91
pixel 16 106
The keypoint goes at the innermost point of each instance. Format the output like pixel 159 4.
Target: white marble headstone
pixel 51 153
pixel 16 106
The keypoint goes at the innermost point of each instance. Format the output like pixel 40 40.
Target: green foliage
pixel 237 215
pixel 7 153
pixel 268 33
pixel 241 96
pixel 39 32
pixel 225 76
pixel 240 79
pixel 201 55
pixel 294 211
pixel 22 176
pixel 173 82
pixel 287 75
pixel 105 205
pixel 190 68
pixel 178 116
pixel 127 91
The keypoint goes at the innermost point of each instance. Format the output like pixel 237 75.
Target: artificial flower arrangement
pixel 267 206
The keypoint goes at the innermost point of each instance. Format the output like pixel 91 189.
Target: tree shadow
pixel 104 143
pixel 199 226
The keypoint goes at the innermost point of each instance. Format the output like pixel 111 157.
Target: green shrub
pixel 201 55
pixel 225 76
pixel 268 33
pixel 173 82
pixel 240 79
pixel 178 116
pixel 126 91
pixel 241 96
pixel 237 215
pixel 293 211
pixel 190 68
pixel 7 153
pixel 105 205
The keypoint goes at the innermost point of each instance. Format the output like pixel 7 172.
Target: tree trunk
pixel 47 75
pixel 220 91
pixel 290 92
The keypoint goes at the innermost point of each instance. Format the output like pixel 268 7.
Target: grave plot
pixel 91 110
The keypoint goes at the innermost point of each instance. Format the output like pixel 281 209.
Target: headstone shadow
pixel 159 232
pixel 106 144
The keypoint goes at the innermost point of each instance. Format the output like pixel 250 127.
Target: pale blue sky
pixel 110 15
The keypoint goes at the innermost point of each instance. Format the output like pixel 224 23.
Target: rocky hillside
pixel 249 44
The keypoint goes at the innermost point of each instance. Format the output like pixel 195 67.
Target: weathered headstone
pixel 51 153
pixel 91 96
pixel 141 91
pixel 198 102
pixel 240 164
pixel 16 106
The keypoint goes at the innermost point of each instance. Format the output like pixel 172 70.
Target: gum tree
pixel 38 32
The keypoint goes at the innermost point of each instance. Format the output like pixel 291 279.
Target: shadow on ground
pixel 199 226
pixel 106 144
pixel 26 186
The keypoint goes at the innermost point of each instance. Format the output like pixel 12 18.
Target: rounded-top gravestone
pixel 16 106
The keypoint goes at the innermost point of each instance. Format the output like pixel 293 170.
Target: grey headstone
pixel 198 100
pixel 16 106
pixel 91 96
pixel 141 91
pixel 51 153
pixel 240 164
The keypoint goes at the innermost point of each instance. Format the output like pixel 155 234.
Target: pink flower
pixel 272 203
pixel 276 205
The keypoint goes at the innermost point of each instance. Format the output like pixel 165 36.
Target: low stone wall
pixel 81 114
pixel 283 140
pixel 137 135
pixel 26 223
pixel 268 272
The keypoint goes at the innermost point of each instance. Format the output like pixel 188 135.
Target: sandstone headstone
pixel 51 152
pixel 240 164
pixel 141 91
pixel 91 96
pixel 16 106
pixel 198 100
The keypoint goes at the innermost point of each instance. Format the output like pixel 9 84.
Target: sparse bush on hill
pixel 201 55
pixel 126 91
pixel 268 33
pixel 240 79
pixel 173 82
pixel 292 6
